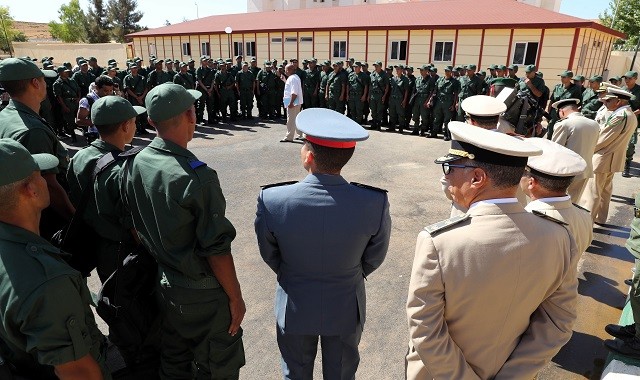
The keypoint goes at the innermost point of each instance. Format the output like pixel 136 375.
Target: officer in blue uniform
pixel 322 236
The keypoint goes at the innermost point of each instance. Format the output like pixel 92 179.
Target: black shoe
pixel 628 281
pixel 432 135
pixel 628 347
pixel 621 332
pixel 422 134
pixel 285 140
pixel 415 132
pixel 627 168
pixel 300 138
pixel 447 138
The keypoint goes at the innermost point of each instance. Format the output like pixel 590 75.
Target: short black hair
pixel 108 129
pixel 551 183
pixel 103 80
pixel 330 160
pixel 16 87
pixel 501 176
pixel 486 121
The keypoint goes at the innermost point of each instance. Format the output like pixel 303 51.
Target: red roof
pixel 477 14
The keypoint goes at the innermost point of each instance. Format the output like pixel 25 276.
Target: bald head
pixel 290 69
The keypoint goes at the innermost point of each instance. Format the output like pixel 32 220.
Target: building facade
pixel 409 33
pixel 285 5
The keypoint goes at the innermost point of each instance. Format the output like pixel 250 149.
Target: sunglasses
pixel 446 167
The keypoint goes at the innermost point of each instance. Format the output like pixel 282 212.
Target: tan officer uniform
pixel 609 156
pixel 559 162
pixel 580 134
pixel 492 293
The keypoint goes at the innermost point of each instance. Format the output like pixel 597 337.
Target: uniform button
pixel 33 249
pixel 72 322
pixel 215 215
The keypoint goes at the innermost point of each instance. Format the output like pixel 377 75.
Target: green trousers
pixel 310 101
pixel 422 116
pixel 631 148
pixel 634 298
pixel 334 103
pixel 194 335
pixel 356 106
pixel 246 101
pixel 228 101
pixel 441 117
pixel 377 107
pixel 396 112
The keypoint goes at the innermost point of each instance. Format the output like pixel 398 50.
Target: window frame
pixel 186 49
pixel 205 51
pixel 238 49
pixel 398 55
pixel 524 61
pixel 341 53
pixel 443 54
pixel 250 48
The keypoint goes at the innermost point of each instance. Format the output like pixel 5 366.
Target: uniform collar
pixel 325 179
pixel 555 203
pixel 104 146
pixel 17 234
pixel 21 107
pixel 489 207
pixel 496 201
pixel 170 147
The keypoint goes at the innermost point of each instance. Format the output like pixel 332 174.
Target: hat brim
pixel 195 94
pixel 139 110
pixel 447 158
pixel 49 73
pixel 45 161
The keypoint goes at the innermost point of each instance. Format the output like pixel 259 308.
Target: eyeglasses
pixel 446 167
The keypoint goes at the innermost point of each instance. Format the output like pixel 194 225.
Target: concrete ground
pixel 248 155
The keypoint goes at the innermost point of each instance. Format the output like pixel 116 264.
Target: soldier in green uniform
pixel 590 99
pixel 48 329
pixel 225 84
pixel 630 79
pixel 204 77
pixel 192 67
pixel 378 92
pixel 67 93
pixel 408 72
pixel 512 70
pixel 83 77
pixel 268 92
pixel 423 102
pixel 492 75
pixel 255 70
pixel 46 106
pixel 184 77
pixel 280 75
pixel 112 72
pixel 578 80
pixel 19 120
pixel 398 100
pixel 136 90
pixel 366 111
pixel 299 72
pixel 169 68
pixel 531 84
pixel 311 85
pixel 336 90
pixel 182 224
pixel 447 89
pixel 564 90
pixel 385 108
pixel 324 78
pixel 95 69
pixel 358 92
pixel 470 85
pixel 246 87
pixel 158 76
pixel 501 71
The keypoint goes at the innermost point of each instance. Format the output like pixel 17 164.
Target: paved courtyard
pixel 249 155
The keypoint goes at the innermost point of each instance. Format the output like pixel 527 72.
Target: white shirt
pixel 293 86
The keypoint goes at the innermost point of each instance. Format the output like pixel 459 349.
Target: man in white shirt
pixel 103 86
pixel 292 101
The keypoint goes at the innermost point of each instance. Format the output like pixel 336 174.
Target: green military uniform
pixel 225 81
pixel 635 105
pixel 537 82
pixel 156 78
pixel 397 112
pixel 411 99
pixel 48 106
pixel 311 89
pixel 590 103
pixel 280 93
pixel 137 85
pixel 379 85
pixel 633 245
pixel 335 83
pixel 205 76
pixel 83 80
pixel 268 93
pixel 469 86
pixel 559 92
pixel 422 115
pixel 69 91
pixel 358 84
pixel 181 223
pixel 186 80
pixel 447 90
pixel 246 82
pixel 324 79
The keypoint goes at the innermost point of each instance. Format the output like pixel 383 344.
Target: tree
pixel 98 25
pixel 7 33
pixel 123 18
pixel 73 23
pixel 625 16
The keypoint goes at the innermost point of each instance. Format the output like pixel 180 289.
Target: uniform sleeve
pixel 57 89
pixel 612 128
pixel 376 249
pixel 561 133
pixel 39 141
pixel 550 326
pixel 267 243
pixel 53 322
pixel 214 232
pixel 428 329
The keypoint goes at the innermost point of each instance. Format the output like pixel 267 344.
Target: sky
pixel 157 12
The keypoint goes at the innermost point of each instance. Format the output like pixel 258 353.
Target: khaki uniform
pixel 490 306
pixel 580 134
pixel 180 219
pixel 608 158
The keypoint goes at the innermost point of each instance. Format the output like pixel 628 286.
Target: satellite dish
pixel 228 30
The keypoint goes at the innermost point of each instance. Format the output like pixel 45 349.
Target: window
pixel 186 48
pixel 276 40
pixel 290 39
pixel 251 49
pixel 306 39
pixel 237 48
pixel 152 49
pixel 205 49
pixel 398 50
pixel 525 53
pixel 443 52
pixel 339 49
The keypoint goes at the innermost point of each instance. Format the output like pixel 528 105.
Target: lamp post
pixel 228 30
pixel 197 13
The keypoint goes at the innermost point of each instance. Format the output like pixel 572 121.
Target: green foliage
pixel 7 33
pixel 73 23
pixel 626 18
pixel 123 18
pixel 98 25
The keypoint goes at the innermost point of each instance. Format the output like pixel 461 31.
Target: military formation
pixel 162 203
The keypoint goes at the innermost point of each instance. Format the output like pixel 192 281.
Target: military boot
pixel 627 170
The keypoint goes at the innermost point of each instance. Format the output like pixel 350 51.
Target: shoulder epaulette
pixel 264 187
pixel 444 224
pixel 131 152
pixel 194 164
pixel 363 186
pixel 581 208
pixel 551 218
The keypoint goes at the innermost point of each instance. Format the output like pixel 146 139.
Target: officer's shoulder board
pixel 548 217
pixel 131 152
pixel 264 187
pixel 445 224
pixel 581 208
pixel 195 163
pixel 363 186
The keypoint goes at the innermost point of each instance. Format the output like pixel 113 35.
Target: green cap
pixel 493 67
pixel 472 67
pixel 566 73
pixel 617 79
pixel 168 61
pixel 434 69
pixel 377 63
pixel 506 82
pixel 578 77
pixel 540 74
pixel 60 69
pixel 631 74
pixel 425 67
pixel 448 68
pixel 501 67
pixel 182 64
pixel 409 68
pixel 530 68
pixel 18 69
pixel 305 61
pixel 168 100
pixel 326 62
pixel 110 110
pixel 82 62
pixel 596 78
pixel 253 59
pixel 513 67
pixel 16 163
